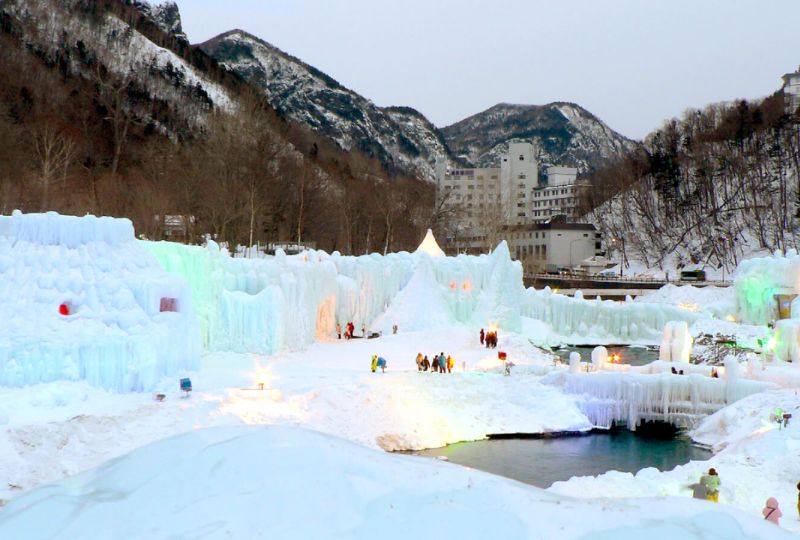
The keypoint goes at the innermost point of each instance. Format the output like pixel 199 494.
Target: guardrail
pixel 650 282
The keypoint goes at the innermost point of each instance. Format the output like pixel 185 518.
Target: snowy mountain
pixel 400 137
pixel 134 47
pixel 567 134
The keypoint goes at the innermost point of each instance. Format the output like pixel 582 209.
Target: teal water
pixel 541 462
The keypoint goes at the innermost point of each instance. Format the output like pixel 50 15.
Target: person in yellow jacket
pixel 374 365
pixel 450 364
pixel 712 482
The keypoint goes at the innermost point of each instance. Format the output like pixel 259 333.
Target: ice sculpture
pixel 609 398
pixel 599 357
pixel 787 340
pixel 676 342
pixel 574 362
pixel 126 322
pixel 757 282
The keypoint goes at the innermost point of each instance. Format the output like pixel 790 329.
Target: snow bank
pixel 262 482
pixel 115 334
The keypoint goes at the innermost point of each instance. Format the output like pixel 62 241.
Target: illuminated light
pixel 689 307
pixel 615 358
pixel 730 318
pixel 453 285
pixel 467 286
pixel 555 291
pixel 305 258
pixel 773 341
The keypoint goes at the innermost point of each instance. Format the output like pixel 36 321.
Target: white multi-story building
pixel 791 91
pixel 494 193
pixel 557 197
pixel 487 199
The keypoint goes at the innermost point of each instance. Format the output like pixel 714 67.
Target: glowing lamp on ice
pixel 64 309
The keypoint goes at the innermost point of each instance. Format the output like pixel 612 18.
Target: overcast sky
pixel 633 63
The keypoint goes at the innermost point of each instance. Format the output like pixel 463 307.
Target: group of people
pixel 489 338
pixel 439 364
pixel 708 489
pixel 349 330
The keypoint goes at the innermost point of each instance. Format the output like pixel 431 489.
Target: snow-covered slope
pixel 566 134
pixel 402 138
pixel 113 47
pixel 281 482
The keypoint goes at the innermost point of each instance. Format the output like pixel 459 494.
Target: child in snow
pixel 482 336
pixel 426 364
pixel 338 330
pixel 382 364
pixel 450 364
pixel 712 482
pixel 771 512
pixel 419 361
pixel 442 363
pixel 798 499
pixel 374 365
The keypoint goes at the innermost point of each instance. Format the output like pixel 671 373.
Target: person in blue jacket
pixel 382 364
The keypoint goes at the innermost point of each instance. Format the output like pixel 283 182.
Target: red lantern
pixel 64 309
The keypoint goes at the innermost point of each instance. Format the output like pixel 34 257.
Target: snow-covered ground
pixel 281 482
pixel 55 430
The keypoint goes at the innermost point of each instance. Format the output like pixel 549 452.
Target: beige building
pixel 555 245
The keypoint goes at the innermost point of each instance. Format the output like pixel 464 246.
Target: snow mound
pixel 430 246
pixel 420 305
pixel 261 482
pixel 82 301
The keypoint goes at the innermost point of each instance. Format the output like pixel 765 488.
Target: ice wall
pixel 115 335
pixel 266 304
pixel 608 397
pixel 757 281
pixel 602 320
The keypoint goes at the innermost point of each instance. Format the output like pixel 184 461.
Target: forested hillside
pixel 104 110
pixel 707 188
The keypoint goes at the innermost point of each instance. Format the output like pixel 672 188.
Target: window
pixel 521 176
pixel 521 157
pixel 585 235
pixel 470 186
pixel 169 304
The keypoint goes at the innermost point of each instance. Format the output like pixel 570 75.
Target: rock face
pixel 400 137
pixel 165 14
pixel 565 133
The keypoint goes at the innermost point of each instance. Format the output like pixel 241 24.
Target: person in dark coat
pixel 483 336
